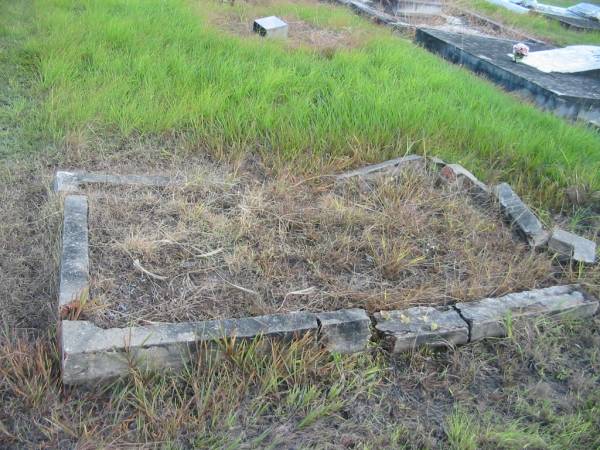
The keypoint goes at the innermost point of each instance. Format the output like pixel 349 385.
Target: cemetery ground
pixel 257 128
pixel 538 26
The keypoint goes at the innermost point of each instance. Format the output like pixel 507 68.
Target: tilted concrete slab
pixel 345 330
pixel 520 216
pixel 571 246
pixel 410 328
pixel 65 181
pixel 74 262
pixel 385 167
pixel 90 353
pixel 488 317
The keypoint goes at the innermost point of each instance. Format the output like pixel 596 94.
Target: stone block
pixel 90 353
pixel 520 216
pixel 406 329
pixel 74 262
pixel 571 246
pixel 272 27
pixel 487 317
pixel 384 167
pixel 345 331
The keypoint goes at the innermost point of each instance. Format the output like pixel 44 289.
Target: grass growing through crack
pixel 153 67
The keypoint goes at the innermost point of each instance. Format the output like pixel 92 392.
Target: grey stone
pixel 457 173
pixel 571 246
pixel 410 328
pixel 345 331
pixel 91 354
pixel 439 162
pixel 272 27
pixel 520 216
pixel 74 263
pixel 487 317
pixel 377 169
pixel 72 181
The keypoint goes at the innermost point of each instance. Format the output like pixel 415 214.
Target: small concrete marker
pixel 406 329
pixel 271 27
pixel 521 216
pixel 90 353
pixel 74 263
pixel 377 169
pixel 487 317
pixel 571 246
pixel 345 331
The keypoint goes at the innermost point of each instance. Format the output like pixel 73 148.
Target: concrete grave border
pixel 91 354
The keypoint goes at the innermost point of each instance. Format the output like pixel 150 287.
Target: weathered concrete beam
pixel 74 262
pixel 488 317
pixel 571 246
pixel 90 353
pixel 345 331
pixel 71 181
pixel 457 173
pixel 413 327
pixel 384 167
pixel 520 216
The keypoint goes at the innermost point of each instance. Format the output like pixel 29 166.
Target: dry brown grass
pixel 228 244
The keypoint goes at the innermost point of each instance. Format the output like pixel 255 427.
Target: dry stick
pixel 306 291
pixel 138 266
pixel 241 288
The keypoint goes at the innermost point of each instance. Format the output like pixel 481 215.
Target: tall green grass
pixel 540 26
pixel 153 66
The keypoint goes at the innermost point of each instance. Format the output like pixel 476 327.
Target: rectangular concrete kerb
pixel 74 266
pixel 408 329
pixel 344 331
pixel 385 167
pixel 520 216
pixel 570 246
pixel 90 353
pixel 488 317
pixel 72 181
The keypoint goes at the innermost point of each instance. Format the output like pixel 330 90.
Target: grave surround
pixel 90 354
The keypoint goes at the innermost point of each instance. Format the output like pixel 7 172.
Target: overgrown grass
pixel 541 27
pixel 154 66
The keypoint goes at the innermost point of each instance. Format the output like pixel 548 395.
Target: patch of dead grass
pixel 230 245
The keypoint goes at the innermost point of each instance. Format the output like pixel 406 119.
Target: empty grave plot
pixel 230 245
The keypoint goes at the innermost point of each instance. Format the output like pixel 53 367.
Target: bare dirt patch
pixel 301 34
pixel 228 244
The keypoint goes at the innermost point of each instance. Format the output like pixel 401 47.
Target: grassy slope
pixel 539 26
pixel 154 66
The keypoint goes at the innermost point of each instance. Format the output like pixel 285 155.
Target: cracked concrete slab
pixel 488 317
pixel 407 329
pixel 345 331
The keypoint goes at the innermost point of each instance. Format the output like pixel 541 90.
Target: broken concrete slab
pixel 488 317
pixel 90 353
pixel 571 246
pixel 457 173
pixel 345 331
pixel 386 167
pixel 407 329
pixel 74 263
pixel 65 181
pixel 271 27
pixel 520 216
